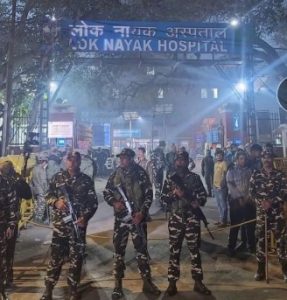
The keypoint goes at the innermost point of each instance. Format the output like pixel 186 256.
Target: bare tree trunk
pixel 9 83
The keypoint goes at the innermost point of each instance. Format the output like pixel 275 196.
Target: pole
pixel 266 249
pixel 152 130
pixel 130 123
pixel 9 83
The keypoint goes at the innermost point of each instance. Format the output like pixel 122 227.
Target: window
pixel 204 93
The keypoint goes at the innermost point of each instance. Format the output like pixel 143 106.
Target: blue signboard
pixel 213 136
pixel 102 134
pixel 126 133
pixel 124 36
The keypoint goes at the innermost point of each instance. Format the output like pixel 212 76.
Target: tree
pixel 267 17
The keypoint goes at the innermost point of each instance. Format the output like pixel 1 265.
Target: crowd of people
pixel 246 187
pixel 245 184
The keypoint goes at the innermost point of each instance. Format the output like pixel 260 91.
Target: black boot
pixel 284 271
pixel 260 274
pixel 47 295
pixel 201 288
pixel 172 289
pixel 73 294
pixel 118 290
pixel 150 287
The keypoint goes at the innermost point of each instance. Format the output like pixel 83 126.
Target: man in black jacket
pixel 23 191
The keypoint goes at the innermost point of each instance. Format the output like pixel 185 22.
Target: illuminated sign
pixel 125 36
pixel 60 130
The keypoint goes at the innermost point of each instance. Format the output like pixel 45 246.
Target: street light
pixel 241 86
pixel 53 86
pixel 234 22
pixel 129 116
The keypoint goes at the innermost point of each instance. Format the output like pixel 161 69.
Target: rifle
pixel 129 216
pixel 72 217
pixel 197 211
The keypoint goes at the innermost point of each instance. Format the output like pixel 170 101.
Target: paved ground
pixel 228 278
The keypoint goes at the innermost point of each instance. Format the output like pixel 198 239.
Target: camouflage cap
pixel 6 167
pixel 182 155
pixel 73 155
pixel 127 152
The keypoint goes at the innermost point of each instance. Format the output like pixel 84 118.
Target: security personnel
pixel 268 188
pixel 23 191
pixel 73 200
pixel 8 221
pixel 158 164
pixel 184 222
pixel 136 186
pixel 39 186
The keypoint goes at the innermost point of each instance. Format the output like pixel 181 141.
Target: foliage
pixel 102 81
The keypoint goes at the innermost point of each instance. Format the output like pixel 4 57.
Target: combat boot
pixel 73 294
pixel 260 274
pixel 172 289
pixel 47 295
pixel 118 290
pixel 284 271
pixel 199 287
pixel 150 287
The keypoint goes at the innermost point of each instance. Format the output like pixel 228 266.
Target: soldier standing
pixel 132 180
pixel 23 191
pixel 39 186
pixel 170 156
pixel 73 200
pixel 158 163
pixel 184 222
pixel 8 221
pixel 268 187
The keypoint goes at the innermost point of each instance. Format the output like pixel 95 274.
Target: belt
pixel 183 214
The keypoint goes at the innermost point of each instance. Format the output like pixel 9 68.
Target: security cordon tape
pixel 93 235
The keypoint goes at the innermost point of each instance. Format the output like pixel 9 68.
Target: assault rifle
pixel 177 180
pixel 130 212
pixel 72 217
pixel 129 215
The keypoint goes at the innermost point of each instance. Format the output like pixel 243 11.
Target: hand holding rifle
pixel 61 204
pixel 119 205
pixel 137 218
pixel 177 191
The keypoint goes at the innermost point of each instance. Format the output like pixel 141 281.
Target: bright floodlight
pixel 53 19
pixel 53 86
pixel 241 86
pixel 234 22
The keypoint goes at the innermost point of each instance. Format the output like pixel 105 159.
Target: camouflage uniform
pixel 8 219
pixel 272 187
pixel 183 223
pixel 158 163
pixel 80 189
pixel 137 187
